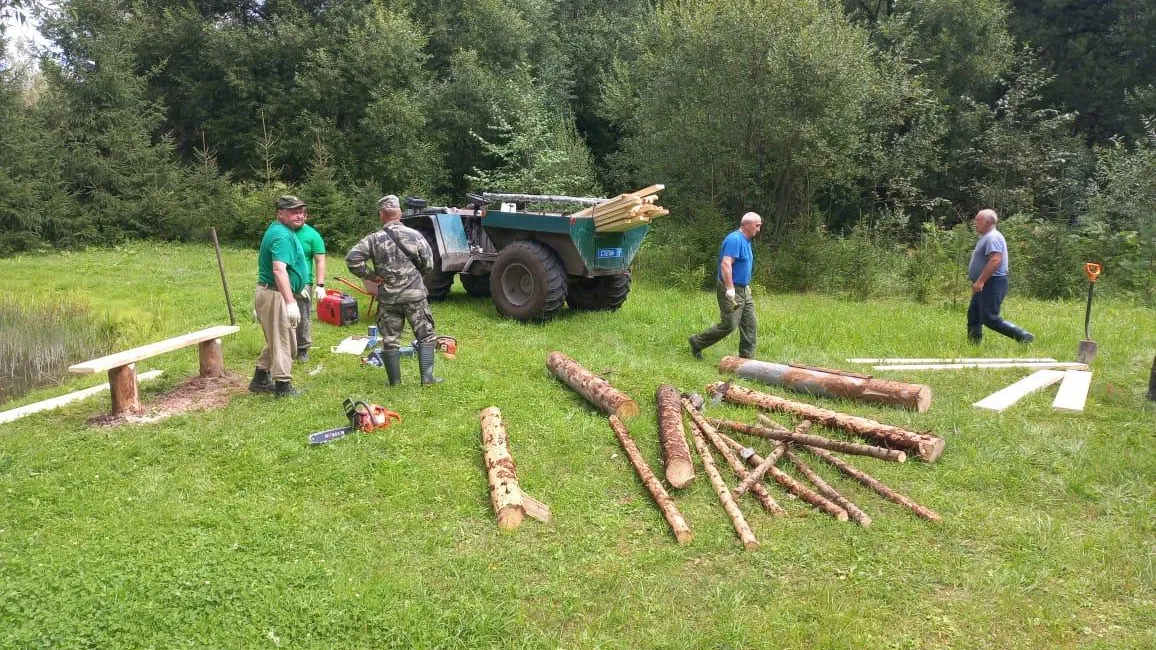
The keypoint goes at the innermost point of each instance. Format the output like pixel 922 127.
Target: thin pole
pixel 224 282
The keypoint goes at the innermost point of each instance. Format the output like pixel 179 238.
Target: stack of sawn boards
pixel 626 211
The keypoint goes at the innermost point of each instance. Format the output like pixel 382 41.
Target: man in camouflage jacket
pixel 399 257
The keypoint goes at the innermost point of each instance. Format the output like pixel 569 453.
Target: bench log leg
pixel 212 359
pixel 125 396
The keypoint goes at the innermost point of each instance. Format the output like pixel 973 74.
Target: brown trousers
pixel 280 339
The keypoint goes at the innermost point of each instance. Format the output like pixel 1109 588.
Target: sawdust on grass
pixel 196 394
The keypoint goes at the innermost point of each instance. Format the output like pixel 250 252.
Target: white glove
pixel 293 314
pixel 731 297
pixel 319 291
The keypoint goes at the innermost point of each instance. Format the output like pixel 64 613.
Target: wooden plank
pixel 963 360
pixel 57 402
pixel 963 366
pixel 1073 392
pixel 1005 397
pixel 151 350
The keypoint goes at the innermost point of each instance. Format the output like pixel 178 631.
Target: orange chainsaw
pixel 362 416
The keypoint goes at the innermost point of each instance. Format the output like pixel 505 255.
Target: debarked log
pixel 671 434
pixel 595 389
pixel 502 473
pixel 875 484
pixel 761 471
pixel 831 493
pixel 926 446
pixel 843 446
pixel 724 494
pixel 665 504
pixel 761 494
pixel 825 382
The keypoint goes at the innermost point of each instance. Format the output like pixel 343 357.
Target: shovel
pixel 1087 349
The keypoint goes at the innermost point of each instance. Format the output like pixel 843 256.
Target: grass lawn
pixel 224 530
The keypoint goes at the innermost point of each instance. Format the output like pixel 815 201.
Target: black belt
pixel 267 286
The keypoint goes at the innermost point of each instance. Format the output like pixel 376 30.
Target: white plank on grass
pixel 55 402
pixel 904 360
pixel 1005 397
pixel 964 366
pixel 1073 392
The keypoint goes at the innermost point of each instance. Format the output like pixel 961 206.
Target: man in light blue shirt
pixel 736 259
pixel 988 274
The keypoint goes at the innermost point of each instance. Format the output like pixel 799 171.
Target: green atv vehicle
pixel 529 263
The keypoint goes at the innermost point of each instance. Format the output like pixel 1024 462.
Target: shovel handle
pixel 1092 270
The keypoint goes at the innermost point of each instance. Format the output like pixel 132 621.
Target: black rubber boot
pixel 975 334
pixel 393 366
pixel 303 355
pixel 261 382
pixel 425 359
pixel 695 351
pixel 285 389
pixel 1023 336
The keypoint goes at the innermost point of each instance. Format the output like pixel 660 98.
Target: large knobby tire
pixel 477 286
pixel 528 282
pixel 603 293
pixel 437 282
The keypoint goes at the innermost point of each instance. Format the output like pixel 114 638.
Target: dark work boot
pixel 975 334
pixel 393 366
pixel 261 382
pixel 1023 336
pixel 695 351
pixel 303 355
pixel 285 389
pixel 425 359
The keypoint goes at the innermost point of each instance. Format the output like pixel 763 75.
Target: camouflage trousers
pixel 391 322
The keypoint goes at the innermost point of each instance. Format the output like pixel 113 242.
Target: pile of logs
pixel 626 211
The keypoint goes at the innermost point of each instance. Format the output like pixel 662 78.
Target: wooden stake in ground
pixel 875 484
pixel 856 448
pixel 761 494
pixel 666 504
pixel 1152 381
pixel 724 494
pixel 760 471
pixel 672 435
pixel 831 493
pixel 505 494
pixel 825 382
pixel 595 389
pixel 925 445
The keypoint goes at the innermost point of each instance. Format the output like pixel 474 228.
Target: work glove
pixel 293 314
pixel 731 297
pixel 319 291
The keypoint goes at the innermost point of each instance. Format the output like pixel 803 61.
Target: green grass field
pixel 223 529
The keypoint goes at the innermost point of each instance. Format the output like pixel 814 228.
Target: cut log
pixel 825 382
pixel 665 504
pixel 866 479
pixel 505 493
pixel 724 494
pixel 1073 392
pixel 212 359
pixel 1005 397
pixel 671 434
pixel 761 494
pixel 785 480
pixel 824 488
pixel 595 389
pixel 926 446
pixel 843 446
pixel 757 475
pixel 122 384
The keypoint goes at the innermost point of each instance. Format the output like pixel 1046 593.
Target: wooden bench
pixel 121 367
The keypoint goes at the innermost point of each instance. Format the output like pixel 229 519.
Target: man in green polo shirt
pixel 314 248
pixel 281 274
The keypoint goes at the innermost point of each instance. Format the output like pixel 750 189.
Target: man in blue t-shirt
pixel 736 259
pixel 988 274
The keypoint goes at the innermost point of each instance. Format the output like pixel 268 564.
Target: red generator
pixel 337 308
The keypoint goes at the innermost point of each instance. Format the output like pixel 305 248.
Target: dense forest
pixel 867 132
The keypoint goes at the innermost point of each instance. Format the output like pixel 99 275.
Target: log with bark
pixel 875 484
pixel 826 382
pixel 926 446
pixel 666 504
pixel 671 434
pixel 595 389
pixel 761 494
pixel 843 446
pixel 759 472
pixel 786 481
pixel 724 494
pixel 824 488
pixel 502 473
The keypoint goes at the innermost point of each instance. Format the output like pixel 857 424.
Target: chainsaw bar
pixel 322 437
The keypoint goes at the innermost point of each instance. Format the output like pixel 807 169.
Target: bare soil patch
pixel 196 394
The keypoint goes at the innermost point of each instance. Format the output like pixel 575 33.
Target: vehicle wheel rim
pixel 518 284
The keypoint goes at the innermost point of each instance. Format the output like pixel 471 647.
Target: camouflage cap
pixel 388 201
pixel 289 202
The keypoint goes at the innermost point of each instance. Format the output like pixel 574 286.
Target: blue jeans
pixel 984 311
